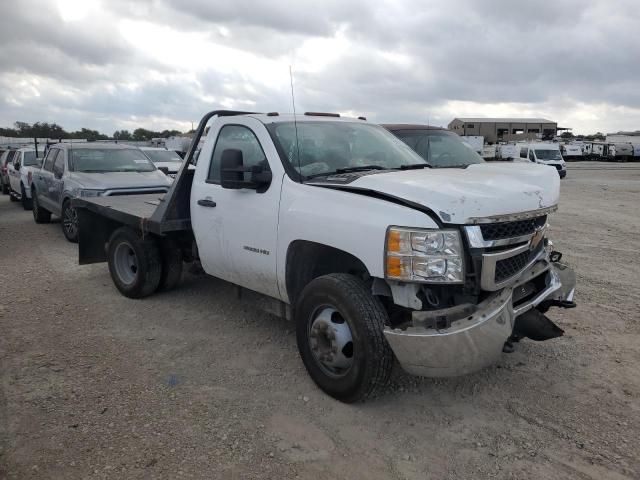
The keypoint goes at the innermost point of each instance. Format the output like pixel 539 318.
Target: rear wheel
pixel 134 263
pixel 339 329
pixel 40 215
pixel 26 202
pixel 70 222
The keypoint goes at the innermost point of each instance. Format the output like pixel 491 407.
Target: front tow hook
pixel 562 303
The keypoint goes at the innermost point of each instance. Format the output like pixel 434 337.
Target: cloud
pixel 163 63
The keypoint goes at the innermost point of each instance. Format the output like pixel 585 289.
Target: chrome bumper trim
pixel 474 341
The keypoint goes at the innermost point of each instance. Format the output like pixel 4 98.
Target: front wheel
pixel 339 330
pixel 40 215
pixel 70 222
pixel 134 263
pixel 12 196
pixel 26 202
pixel 5 188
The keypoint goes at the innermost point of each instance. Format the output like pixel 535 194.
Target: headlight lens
pixel 433 256
pixel 90 193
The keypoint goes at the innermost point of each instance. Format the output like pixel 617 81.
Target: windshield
pixel 440 148
pixel 163 156
pixel 109 160
pixel 29 159
pixel 548 155
pixel 327 147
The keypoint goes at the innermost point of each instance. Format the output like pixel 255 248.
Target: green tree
pixel 122 135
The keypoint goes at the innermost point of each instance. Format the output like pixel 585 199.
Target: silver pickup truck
pixel 90 170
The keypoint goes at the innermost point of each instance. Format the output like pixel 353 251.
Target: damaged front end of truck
pixel 512 277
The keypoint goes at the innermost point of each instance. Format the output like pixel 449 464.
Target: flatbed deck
pixel 134 210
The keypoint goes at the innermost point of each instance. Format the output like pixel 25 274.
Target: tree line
pixel 53 130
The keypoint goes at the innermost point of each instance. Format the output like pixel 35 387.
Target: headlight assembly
pixel 420 255
pixel 90 193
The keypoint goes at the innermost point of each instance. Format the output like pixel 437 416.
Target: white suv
pixel 20 172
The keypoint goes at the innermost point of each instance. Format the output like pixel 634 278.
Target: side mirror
pixel 164 170
pixel 17 166
pixel 232 171
pixel 57 174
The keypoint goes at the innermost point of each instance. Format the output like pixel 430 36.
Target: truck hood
pixel 173 167
pixel 109 180
pixel 456 195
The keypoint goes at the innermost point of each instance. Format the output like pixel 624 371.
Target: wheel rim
pixel 331 342
pixel 70 221
pixel 126 263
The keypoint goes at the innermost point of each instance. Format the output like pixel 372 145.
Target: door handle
pixel 206 202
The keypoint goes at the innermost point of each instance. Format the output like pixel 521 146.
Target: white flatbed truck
pixel 376 255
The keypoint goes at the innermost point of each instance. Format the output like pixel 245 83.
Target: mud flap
pixel 535 325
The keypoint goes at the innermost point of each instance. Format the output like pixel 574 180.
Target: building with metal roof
pixel 505 129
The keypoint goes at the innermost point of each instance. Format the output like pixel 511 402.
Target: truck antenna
pixel 295 123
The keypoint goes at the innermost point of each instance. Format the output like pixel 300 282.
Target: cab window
pixel 241 138
pixel 58 165
pixel 48 161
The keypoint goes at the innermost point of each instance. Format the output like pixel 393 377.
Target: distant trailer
pixel 476 142
pixel 596 151
pixel 618 152
pixel 571 152
pixel 508 151
pixel 489 152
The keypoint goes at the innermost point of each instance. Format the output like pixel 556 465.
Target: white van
pixel 546 154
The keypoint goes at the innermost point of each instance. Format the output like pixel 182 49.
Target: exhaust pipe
pixel 536 325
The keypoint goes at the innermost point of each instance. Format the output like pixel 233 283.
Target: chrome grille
pixel 511 266
pixel 501 230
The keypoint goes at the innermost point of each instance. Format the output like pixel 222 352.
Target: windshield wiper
pixel 415 166
pixel 359 168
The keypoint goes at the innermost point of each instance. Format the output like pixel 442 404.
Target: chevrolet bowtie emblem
pixel 538 235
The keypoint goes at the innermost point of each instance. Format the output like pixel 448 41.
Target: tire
pixel 69 222
pixel 5 188
pixel 345 300
pixel 27 204
pixel 172 263
pixel 134 263
pixel 12 195
pixel 40 215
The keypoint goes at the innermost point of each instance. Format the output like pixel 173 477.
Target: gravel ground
pixel 194 384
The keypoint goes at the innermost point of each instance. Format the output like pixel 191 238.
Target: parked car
pixel 437 146
pixel 20 172
pixel 90 170
pixel 544 154
pixel 167 161
pixel 375 253
pixel 5 159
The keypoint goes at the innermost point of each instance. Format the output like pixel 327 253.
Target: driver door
pixel 237 230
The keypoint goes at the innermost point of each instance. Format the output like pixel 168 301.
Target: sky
pixel 162 64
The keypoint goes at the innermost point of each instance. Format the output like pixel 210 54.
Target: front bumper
pixel 475 340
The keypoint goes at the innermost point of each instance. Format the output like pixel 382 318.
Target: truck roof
pixel 410 126
pixel 304 117
pixel 542 146
pixel 101 145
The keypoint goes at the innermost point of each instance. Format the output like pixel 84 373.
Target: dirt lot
pixel 194 384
